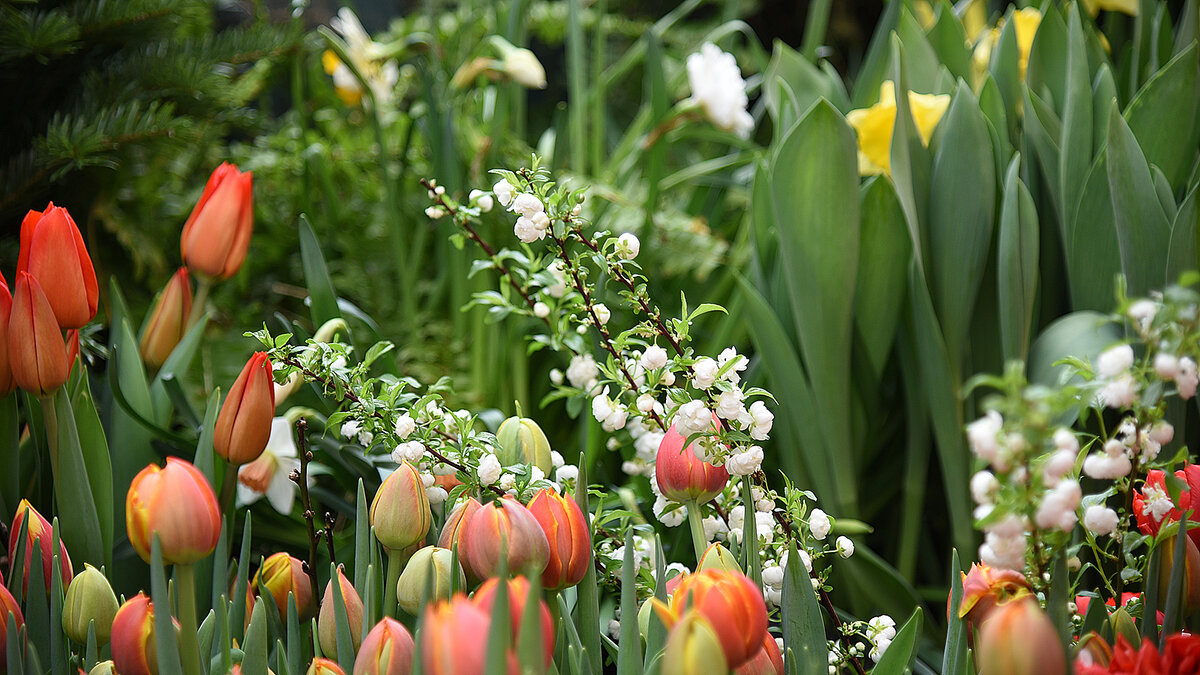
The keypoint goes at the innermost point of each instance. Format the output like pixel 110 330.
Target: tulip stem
pixel 188 643
pixel 696 522
pixel 395 565
pixel 203 286
pixel 50 419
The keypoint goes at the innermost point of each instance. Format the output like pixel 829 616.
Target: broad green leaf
pixel 921 65
pixel 1104 94
pixel 81 527
pixel 1043 130
pixel 900 655
pixel 530 652
pixel 1165 117
pixel 948 40
pixel 878 62
pixel 806 82
pixel 803 628
pixel 96 457
pixel 1143 231
pixel 629 655
pixel 588 603
pixel 1080 334
pixel 1076 141
pixel 1003 67
pixel 126 432
pixel 1016 265
pixel 321 294
pixel 881 286
pixel 1093 252
pixel 911 163
pixel 1047 69
pixel 37 605
pixel 180 359
pixel 254 649
pixel 1184 232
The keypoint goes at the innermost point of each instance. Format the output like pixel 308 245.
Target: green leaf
pixel 37 604
pixel 1184 232
pixel 1003 67
pixel 882 281
pixel 921 65
pixel 816 215
pixel 530 654
pixel 237 614
pixel 806 82
pixel 1093 252
pixel 874 585
pixel 254 658
pixel 165 641
pixel 1047 69
pixel 345 639
pixel 948 40
pixel 954 658
pixel 125 431
pixel 1142 228
pixel 902 653
pixel 10 457
pixel 629 655
pixel 94 445
pixel 1165 117
pixel 321 294
pixel 911 163
pixel 1017 265
pixel 588 603
pixel 72 489
pixel 803 629
pixel 499 630
pixel 877 64
pixel 1080 334
pixel 1076 141
pixel 180 359
pixel 751 556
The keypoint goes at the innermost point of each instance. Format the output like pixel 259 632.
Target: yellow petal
pixel 1026 22
pixel 874 129
pixel 927 111
pixel 974 19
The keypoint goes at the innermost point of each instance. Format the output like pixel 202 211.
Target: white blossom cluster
pixel 718 88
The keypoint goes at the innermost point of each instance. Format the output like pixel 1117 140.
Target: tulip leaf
pixel 206 636
pixel 877 64
pixel 10 457
pixel 344 637
pixel 1016 265
pixel 949 40
pixel 1046 72
pixel 1164 116
pixel 1151 602
pixel 902 653
pixel 954 658
pixel 165 640
pixel 817 219
pixel 205 458
pixel 882 271
pixel 82 530
pixel 911 162
pixel 1142 229
pixel 574 644
pixel 751 560
pixel 1093 252
pixel 807 82
pixel 921 66
pixel 1173 607
pixel 1005 70
pixel 59 653
pixel 13 653
pixel 500 628
pixel 1184 232
pixel 254 649
pixel 237 616
pixel 803 628
pixel 322 297
pixel 656 631
pixel 629 654
pixel 1079 334
pixel 588 602
pixel 295 647
pixel 362 538
pixel 180 359
pixel 37 606
pixel 530 654
pixel 1076 141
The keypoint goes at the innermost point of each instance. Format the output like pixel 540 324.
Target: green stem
pixel 228 489
pixel 395 565
pixel 50 418
pixel 696 522
pixel 203 286
pixel 188 642
pixel 814 32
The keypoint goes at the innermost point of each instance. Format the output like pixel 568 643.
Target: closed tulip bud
pixel 453 637
pixel 692 647
pixel 570 541
pixel 1019 639
pixel 400 511
pixel 8 605
pixel 1123 624
pixel 37 354
pixel 1092 650
pixel 283 575
pixel 524 68
pixel 89 601
pixel 768 660
pixel 134 647
pixel 985 588
pixel 327 621
pixel 429 568
pixel 52 251
pixel 505 528
pixel 177 504
pixel 103 668
pixel 522 441
pixel 717 557
pixel 731 603
pixel 454 533
pixel 217 234
pixel 682 476
pixel 40 535
pixel 168 320
pixel 323 666
pixel 387 650
pixel 244 423
pixel 7 383
pixel 518 594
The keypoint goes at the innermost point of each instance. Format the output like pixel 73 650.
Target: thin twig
pixel 300 477
pixel 328 532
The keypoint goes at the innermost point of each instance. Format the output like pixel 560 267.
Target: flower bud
pixel 428 568
pixel 217 235
pixel 103 668
pixel 177 504
pixel 39 534
pixel 1092 650
pixel 768 660
pixel 1123 624
pixel 37 354
pixel 283 575
pixel 454 533
pixel 518 594
pixel 985 588
pixel 8 605
pixel 453 637
pixel 169 319
pixel 682 476
pixel 387 650
pixel 134 649
pixel 505 528
pixel 89 601
pixel 717 557
pixel 52 251
pixel 524 68
pixel 7 383
pixel 323 666
pixel 570 540
pixel 244 423
pixel 692 647
pixel 732 605
pixel 327 621
pixel 1191 572
pixel 1019 639
pixel 400 512
pixel 522 441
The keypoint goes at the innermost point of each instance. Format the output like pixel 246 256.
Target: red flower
pixel 1181 656
pixel 1082 602
pixel 1156 481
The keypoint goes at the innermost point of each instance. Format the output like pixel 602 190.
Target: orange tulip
pixel 217 234
pixel 39 533
pixel 731 603
pixel 400 512
pixel 52 251
pixel 244 423
pixel 36 351
pixel 1019 639
pixel 284 575
pixel 8 605
pixel 570 541
pixel 453 637
pixel 387 650
pixel 505 527
pixel 682 476
pixel 7 383
pixel 518 595
pixel 327 620
pixel 133 641
pixel 986 588
pixel 169 319
pixel 177 504
pixel 768 660
pixel 454 533
pixel 323 666
pixel 692 647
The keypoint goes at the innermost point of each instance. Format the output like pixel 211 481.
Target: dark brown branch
pixel 300 478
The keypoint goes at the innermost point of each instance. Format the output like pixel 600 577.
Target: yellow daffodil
pixel 369 57
pixel 874 125
pixel 1129 7
pixel 974 19
pixel 923 11
pixel 1026 22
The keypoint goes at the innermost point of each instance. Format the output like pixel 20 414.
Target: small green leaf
pixel 902 653
pixel 321 294
pixel 803 629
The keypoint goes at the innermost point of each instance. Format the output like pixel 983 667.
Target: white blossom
pixel 1057 510
pixel 982 434
pixel 819 524
pixel 1187 379
pixel 983 487
pixel 610 414
pixel 1061 463
pixel 645 403
pixel 1105 467
pixel 350 428
pixel 1065 439
pixel 727 356
pixel 405 425
pixel 718 88
pixel 653 357
pixel 411 452
pixel 556 376
pixel 489 469
pixel 582 372
pixel 628 246
pixel 527 205
pixel 567 473
pixel 559 287
pixel 1114 361
pixel 1100 520
pixel 481 199
pixel 1120 392
pixel 527 231
pixel 729 404
pixel 504 192
pixel 670 518
pixel 602 313
pixel 541 310
pixel 704 373
pixel 1143 312
pixel 1156 503
pixel 845 547
pixel 434 212
pixel 1162 432
pixel 692 418
pixel 745 463
pixel 760 427
pixel 1166 365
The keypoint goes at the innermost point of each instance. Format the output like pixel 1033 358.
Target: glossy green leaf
pixel 902 653
pixel 72 489
pixel 1093 255
pixel 1016 265
pixel 1165 117
pixel 1143 231
pixel 254 659
pixel 1184 232
pixel 954 657
pixel 881 286
pixel 1076 141
pixel 803 628
pixel 321 294
pixel 629 654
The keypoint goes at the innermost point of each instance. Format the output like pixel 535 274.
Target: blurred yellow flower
pixel 1026 22
pixel 368 57
pixel 874 125
pixel 1129 7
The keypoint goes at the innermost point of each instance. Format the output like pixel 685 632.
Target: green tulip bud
pixel 428 568
pixel 523 442
pixel 103 668
pixel 717 557
pixel 89 599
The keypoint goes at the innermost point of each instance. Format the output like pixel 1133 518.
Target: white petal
pixel 282 491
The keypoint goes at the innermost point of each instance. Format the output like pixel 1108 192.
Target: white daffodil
pixel 269 475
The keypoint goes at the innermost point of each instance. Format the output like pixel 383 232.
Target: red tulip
pixel 7 383
pixel 36 351
pixel 454 638
pixel 518 595
pixel 217 234
pixel 244 423
pixel 39 529
pixel 133 640
pixel 570 541
pixel 176 503
pixel 8 605
pixel 682 476
pixel 52 251
pixel 400 512
pixel 731 603
pixel 169 319
pixel 1019 639
pixel 387 650
pixel 1179 656
pixel 505 528
pixel 454 533
pixel 323 666
pixel 327 619
pixel 283 575
pixel 987 588
pixel 768 660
